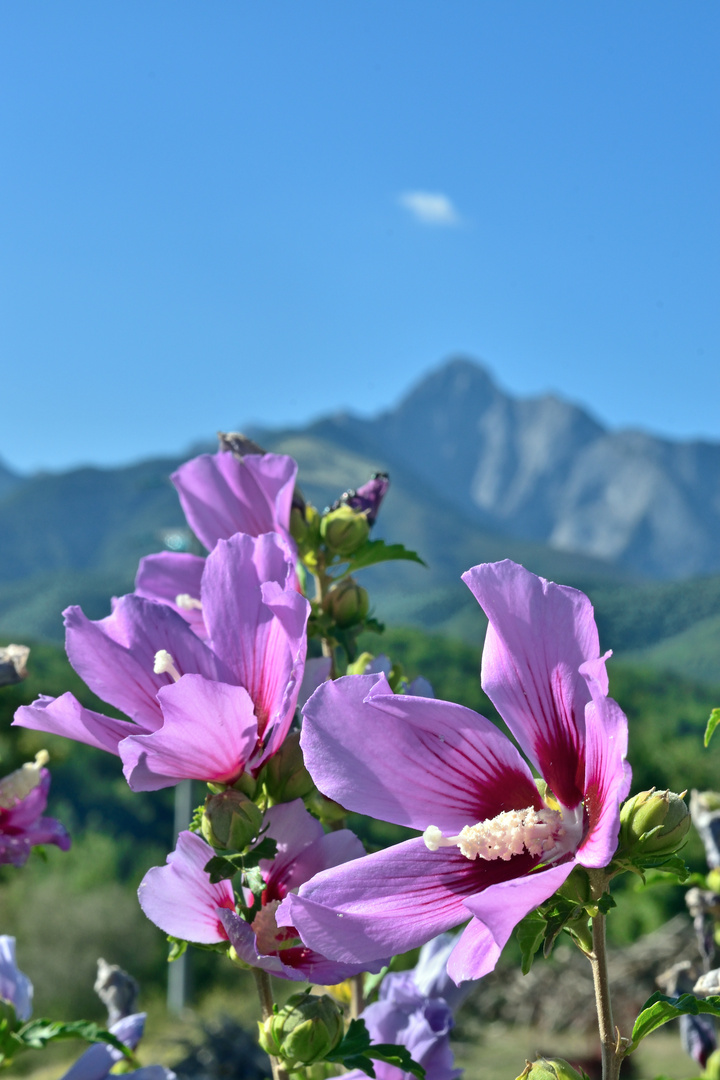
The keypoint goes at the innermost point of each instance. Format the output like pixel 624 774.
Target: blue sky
pixel 219 213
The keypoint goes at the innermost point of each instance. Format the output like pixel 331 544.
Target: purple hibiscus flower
pixel 180 899
pixel 204 711
pixel 494 846
pixel 223 495
pixel 23 798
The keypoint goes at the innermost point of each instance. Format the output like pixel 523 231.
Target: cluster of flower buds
pixel 304 1031
pixel 550 1069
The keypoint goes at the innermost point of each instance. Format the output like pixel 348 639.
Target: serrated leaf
pixel 606 903
pixel 222 867
pixel 266 849
pixel 660 1009
pixel 377 551
pixel 36 1034
pixel 254 880
pixel 356 1040
pixel 530 932
pixel 399 1056
pixel 712 723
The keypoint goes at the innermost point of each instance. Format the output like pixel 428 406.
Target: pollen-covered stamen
pixel 186 602
pixel 17 785
pixel 271 938
pixel 165 665
pixel 511 833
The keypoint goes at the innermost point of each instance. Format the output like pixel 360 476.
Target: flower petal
pixel 538 636
pixel 209 733
pixel 179 898
pixel 391 901
pixel 170 574
pixel 608 775
pixel 423 761
pixel 66 716
pixel 222 495
pixel 115 656
pixel 497 912
pixel 306 966
pixel 257 626
pixel 304 849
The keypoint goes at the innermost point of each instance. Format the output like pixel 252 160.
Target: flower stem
pixel 612 1048
pixel 264 989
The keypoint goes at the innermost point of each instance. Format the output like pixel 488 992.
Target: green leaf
pixel 356 1052
pixel 377 551
pixel 660 1009
pixel 530 932
pixel 222 867
pixel 266 849
pixel 177 948
pixel 606 903
pixel 711 725
pixel 38 1033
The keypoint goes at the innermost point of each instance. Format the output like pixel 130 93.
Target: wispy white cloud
pixel 430 207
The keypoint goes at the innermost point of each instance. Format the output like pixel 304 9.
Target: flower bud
pixel 344 530
pixel 347 603
pixel 231 820
pixel 653 823
pixel 306 1029
pixel 712 1066
pixel 325 810
pixel 285 776
pixel 550 1069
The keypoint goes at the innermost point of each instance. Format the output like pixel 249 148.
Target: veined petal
pixel 391 901
pixel 170 574
pixel 296 963
pixel 222 495
pixel 497 911
pixel 262 641
pixel 317 671
pixel 66 716
pixel 209 733
pixel 115 656
pixel 179 898
pixel 538 636
pixel 424 762
pixel 608 775
pixel 304 849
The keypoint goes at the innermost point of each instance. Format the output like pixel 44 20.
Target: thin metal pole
pixel 178 985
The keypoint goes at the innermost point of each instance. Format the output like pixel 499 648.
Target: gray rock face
pixel 543 469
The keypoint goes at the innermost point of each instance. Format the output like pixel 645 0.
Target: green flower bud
pixel 550 1069
pixel 712 1066
pixel 344 530
pixel 306 1029
pixel 285 776
pixel 653 823
pixel 325 810
pixel 347 603
pixel 231 820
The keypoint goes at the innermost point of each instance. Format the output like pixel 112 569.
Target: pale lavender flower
pixel 98 1060
pixel 205 711
pixel 15 987
pixel 180 899
pixel 223 495
pixel 23 798
pixel 493 847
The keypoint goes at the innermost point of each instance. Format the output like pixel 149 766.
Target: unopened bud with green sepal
pixel 305 1030
pixel 550 1069
pixel 653 823
pixel 347 603
pixel 344 530
pixel 285 777
pixel 231 821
